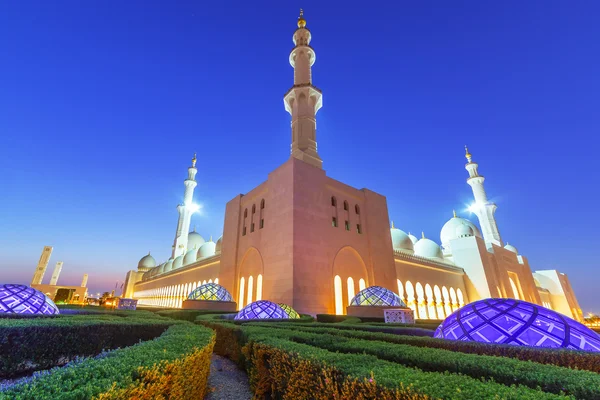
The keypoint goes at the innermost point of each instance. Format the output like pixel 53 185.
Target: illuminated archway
pixel 339 302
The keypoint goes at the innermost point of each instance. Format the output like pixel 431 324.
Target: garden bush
pixel 550 378
pixel 41 343
pixel 560 357
pixel 279 368
pixel 411 330
pixel 174 365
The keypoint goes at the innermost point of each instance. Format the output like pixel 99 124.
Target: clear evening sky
pixel 103 104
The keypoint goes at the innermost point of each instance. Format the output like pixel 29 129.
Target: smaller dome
pixel 21 299
pixel 195 240
pixel 376 296
pixel 428 248
pixel 413 238
pixel 211 292
pixel 261 309
pixel 292 314
pixel 190 257
pixel 400 240
pixel 218 246
pixel 156 270
pixel 455 228
pixel 512 248
pixel 146 263
pixel 177 262
pixel 207 250
pixel 168 266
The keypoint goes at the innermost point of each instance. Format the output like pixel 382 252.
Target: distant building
pixel 309 241
pixel 77 294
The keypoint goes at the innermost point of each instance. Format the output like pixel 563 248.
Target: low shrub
pixel 229 339
pixel 280 368
pixel 174 365
pixel 332 318
pixel 32 344
pixel 550 378
pixel 563 358
pixel 410 330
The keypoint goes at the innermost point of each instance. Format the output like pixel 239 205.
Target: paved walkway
pixel 226 381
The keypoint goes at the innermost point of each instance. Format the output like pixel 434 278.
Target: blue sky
pixel 103 103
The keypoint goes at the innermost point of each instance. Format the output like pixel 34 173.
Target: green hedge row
pixel 411 330
pixel 389 374
pixel 550 378
pixel 187 315
pixel 32 344
pixel 118 369
pixel 563 358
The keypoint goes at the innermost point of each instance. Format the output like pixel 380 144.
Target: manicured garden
pixel 363 360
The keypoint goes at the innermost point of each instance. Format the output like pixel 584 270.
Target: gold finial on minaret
pixel 467 154
pixel 422 235
pixel 393 227
pixel 194 161
pixel 454 212
pixel 301 20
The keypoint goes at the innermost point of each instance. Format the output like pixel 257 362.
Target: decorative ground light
pixel 210 291
pixel 291 313
pixel 511 321
pixel 21 299
pixel 262 309
pixel 377 296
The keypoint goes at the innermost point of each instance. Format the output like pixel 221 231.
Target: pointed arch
pixel 241 295
pixel 431 311
pixel 351 293
pixel 421 304
pixel 362 284
pixel 250 288
pixel 259 287
pixel 337 289
pixel 439 302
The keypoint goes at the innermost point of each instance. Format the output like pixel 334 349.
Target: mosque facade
pixel 307 240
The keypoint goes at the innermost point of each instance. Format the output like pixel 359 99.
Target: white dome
pixel 178 262
pixel 400 240
pixel 195 241
pixel 428 248
pixel 146 263
pixel 207 250
pixel 455 228
pixel 413 238
pixel 168 265
pixel 512 248
pixel 218 246
pixel 156 270
pixel 190 257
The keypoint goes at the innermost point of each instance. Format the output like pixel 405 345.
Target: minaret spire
pixel 303 100
pixel 185 212
pixel 483 208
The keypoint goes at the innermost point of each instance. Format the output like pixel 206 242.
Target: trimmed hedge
pixel 174 365
pixel 563 358
pixel 187 315
pixel 279 368
pixel 410 330
pixel 32 344
pixel 550 378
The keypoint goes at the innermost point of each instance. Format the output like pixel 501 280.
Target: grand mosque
pixel 307 240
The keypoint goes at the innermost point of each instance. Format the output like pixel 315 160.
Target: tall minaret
pixel 483 208
pixel 84 280
pixel 185 212
pixel 303 100
pixel 42 265
pixel 56 273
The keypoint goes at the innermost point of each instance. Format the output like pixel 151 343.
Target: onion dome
pixel 177 262
pixel 428 248
pixel 218 246
pixel 519 323
pixel 376 296
pixel 512 248
pixel 195 240
pixel 211 292
pixel 146 263
pixel 154 271
pixel 21 299
pixel 190 257
pixel 455 228
pixel 400 239
pixel 206 250
pixel 168 266
pixel 261 309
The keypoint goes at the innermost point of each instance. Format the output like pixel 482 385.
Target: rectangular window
pixel 358 229
pixel 262 223
pixel 347 225
pixel 252 227
pixel 244 231
pixel 334 222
